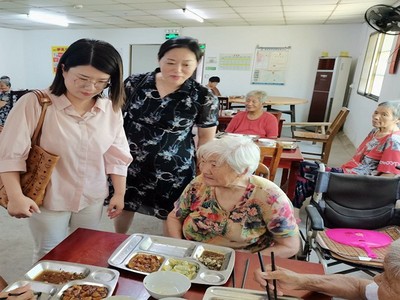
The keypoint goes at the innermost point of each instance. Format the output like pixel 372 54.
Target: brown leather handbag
pixel 39 164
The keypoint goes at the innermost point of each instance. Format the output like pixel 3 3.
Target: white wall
pixel 12 53
pixel 30 66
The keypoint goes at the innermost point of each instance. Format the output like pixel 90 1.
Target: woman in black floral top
pixel 162 108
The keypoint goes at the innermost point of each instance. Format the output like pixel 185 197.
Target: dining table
pixel 94 247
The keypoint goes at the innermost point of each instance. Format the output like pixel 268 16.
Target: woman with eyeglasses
pixel 162 108
pixel 83 127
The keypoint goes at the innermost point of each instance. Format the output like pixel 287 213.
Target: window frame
pixel 376 62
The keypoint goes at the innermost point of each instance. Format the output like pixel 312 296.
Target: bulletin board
pixel 56 53
pixel 269 65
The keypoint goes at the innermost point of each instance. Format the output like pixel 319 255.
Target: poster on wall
pixel 56 53
pixel 235 62
pixel 269 65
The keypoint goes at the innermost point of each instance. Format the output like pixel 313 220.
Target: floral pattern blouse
pixel 376 155
pixel 264 213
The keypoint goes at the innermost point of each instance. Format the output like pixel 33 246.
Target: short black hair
pixel 214 79
pixel 98 54
pixel 181 42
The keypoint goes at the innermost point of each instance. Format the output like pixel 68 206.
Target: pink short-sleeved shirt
pixel 90 147
pixel 265 126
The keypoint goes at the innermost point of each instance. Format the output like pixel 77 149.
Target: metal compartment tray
pixel 94 275
pixel 170 250
pixel 226 293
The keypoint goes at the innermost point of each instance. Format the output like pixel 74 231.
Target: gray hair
pixel 394 106
pixel 239 152
pixel 261 95
pixel 5 80
pixel 392 260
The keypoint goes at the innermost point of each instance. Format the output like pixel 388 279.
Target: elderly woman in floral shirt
pixel 226 205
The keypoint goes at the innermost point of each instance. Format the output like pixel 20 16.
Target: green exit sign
pixel 169 36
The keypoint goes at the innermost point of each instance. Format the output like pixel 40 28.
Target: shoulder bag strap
pixel 44 101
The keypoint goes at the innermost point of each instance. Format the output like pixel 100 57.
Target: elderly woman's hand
pixel 284 247
pixel 21 293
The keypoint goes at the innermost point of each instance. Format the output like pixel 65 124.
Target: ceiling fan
pixel 384 18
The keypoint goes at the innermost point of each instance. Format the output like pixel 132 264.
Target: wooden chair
pixel 321 134
pixel 274 155
pixel 262 171
pixel 223 103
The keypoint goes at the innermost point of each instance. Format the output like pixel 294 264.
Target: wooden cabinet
pixel 329 88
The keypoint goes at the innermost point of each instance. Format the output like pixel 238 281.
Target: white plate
pixel 267 142
pixel 227 293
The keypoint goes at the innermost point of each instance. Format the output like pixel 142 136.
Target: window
pixel 375 63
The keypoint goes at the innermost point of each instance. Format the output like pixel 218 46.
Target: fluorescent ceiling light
pixel 47 18
pixel 192 15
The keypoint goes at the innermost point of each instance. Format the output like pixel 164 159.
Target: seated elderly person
pixel 377 155
pixel 254 120
pixel 385 286
pixel 228 206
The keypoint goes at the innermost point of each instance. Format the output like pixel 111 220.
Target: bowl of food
pixel 163 284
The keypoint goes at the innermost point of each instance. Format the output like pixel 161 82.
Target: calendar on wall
pixel 235 62
pixel 269 65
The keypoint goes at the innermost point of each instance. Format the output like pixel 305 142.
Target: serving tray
pixel 93 275
pixel 226 293
pixel 169 250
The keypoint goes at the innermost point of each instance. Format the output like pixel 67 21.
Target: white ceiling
pixel 168 13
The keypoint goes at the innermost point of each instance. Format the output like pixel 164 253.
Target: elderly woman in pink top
pixel 254 120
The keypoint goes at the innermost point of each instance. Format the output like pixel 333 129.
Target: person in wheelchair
pixel 384 286
pixel 228 206
pixel 377 155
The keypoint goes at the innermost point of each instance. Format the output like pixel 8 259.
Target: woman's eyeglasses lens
pixel 99 85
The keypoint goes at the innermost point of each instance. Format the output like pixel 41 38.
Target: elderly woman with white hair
pixel 254 120
pixel 228 206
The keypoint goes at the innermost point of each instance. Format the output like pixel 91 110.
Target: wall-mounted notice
pixel 56 53
pixel 235 62
pixel 269 65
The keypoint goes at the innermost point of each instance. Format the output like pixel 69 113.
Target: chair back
pixel 338 122
pixel 223 103
pixel 357 201
pixel 273 154
pixel 278 116
pixel 262 171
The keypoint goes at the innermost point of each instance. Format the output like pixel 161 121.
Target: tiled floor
pixel 15 238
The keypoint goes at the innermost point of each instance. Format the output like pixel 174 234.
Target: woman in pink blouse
pixel 83 127
pixel 254 120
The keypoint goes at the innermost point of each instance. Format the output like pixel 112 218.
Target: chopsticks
pixel 273 269
pixel 38 294
pixel 233 278
pixel 246 268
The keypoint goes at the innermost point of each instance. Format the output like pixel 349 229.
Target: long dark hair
pixel 98 54
pixel 181 42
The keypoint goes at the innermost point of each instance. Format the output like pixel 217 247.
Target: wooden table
pixel 94 247
pixel 274 100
